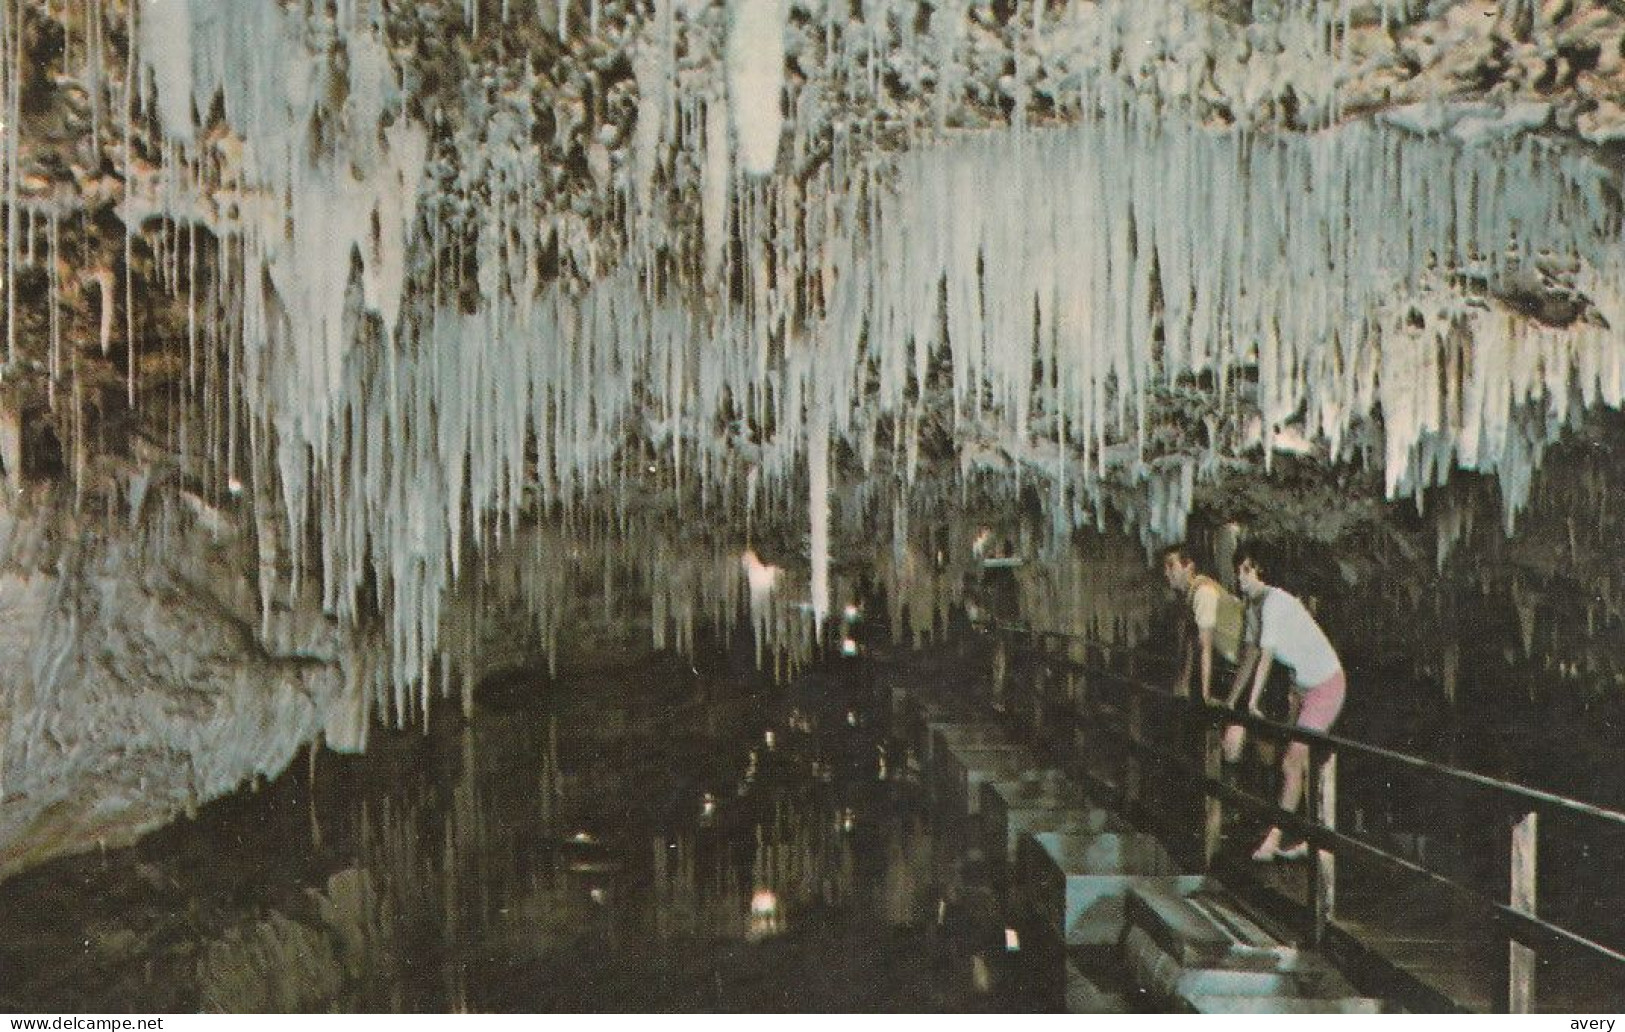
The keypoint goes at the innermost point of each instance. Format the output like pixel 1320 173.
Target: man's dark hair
pixel 1178 553
pixel 1253 554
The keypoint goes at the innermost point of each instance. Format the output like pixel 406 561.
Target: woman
pixel 1289 634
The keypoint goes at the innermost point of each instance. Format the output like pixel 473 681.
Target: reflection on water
pixel 648 841
pixel 660 838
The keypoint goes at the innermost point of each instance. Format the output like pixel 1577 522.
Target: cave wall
pixel 137 683
pixel 255 380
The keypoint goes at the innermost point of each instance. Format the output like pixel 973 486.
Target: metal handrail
pixel 1535 929
pixel 1226 715
pixel 1521 926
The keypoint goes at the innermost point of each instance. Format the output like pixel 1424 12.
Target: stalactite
pixel 131 73
pixel 818 507
pixel 57 263
pixel 755 62
pixel 11 33
pixel 1027 277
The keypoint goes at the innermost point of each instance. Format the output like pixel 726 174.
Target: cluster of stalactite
pixel 411 278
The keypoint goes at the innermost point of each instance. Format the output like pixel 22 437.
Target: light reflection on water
pixel 580 848
pixel 601 845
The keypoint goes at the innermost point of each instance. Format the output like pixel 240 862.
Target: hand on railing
pixel 1519 920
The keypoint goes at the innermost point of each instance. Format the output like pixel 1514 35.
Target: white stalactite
pixel 714 184
pixel 1030 262
pixel 756 79
pixel 818 504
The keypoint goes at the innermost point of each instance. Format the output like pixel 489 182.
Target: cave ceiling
pixel 374 292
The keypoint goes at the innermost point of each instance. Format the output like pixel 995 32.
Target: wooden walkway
pixel 1460 956
pixel 1402 930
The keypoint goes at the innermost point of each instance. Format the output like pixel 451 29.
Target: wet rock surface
pixel 139 688
pixel 604 845
pixel 147 684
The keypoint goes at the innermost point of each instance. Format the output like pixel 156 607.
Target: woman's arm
pixel 1244 671
pixel 1265 658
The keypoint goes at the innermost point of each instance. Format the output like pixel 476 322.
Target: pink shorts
pixel 1322 703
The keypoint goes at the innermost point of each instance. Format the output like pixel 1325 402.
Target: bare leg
pixel 1293 768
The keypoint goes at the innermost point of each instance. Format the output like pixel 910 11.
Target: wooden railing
pixel 1124 718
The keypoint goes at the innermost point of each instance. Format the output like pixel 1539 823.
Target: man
pixel 1215 613
pixel 1289 634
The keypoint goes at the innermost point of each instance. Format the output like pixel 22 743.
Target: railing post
pixel 1213 808
pixel 1322 790
pixel 1521 959
pixel 1131 774
pixel 1001 664
pixel 1041 688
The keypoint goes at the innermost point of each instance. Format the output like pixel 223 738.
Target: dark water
pixel 557 852
pixel 598 843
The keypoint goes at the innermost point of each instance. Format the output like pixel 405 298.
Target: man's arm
pixel 1205 643
pixel 1182 686
pixel 1204 609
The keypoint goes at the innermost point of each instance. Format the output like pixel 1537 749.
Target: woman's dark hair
pixel 1254 554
